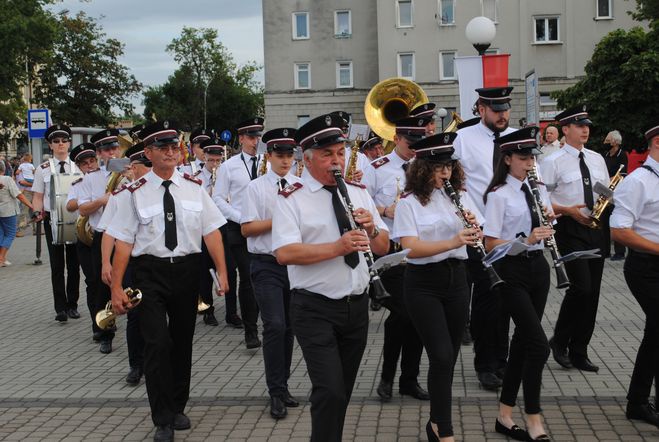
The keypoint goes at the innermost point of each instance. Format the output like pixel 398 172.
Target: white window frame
pixel 441 66
pixel 546 18
pixel 411 25
pixel 336 23
pixel 496 10
pixel 597 10
pixel 338 74
pixel 548 101
pixel 399 65
pixel 294 25
pixel 439 13
pixel 302 120
pixel 296 77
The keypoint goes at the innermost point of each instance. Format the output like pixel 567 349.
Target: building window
pixel 489 9
pixel 406 66
pixel 342 24
pixel 446 12
pixel 491 51
pixel 300 25
pixel 447 65
pixel 604 9
pixel 344 74
pixel 302 120
pixel 546 100
pixel 546 29
pixel 404 14
pixel 302 75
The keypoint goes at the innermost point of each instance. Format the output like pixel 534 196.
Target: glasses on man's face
pixel 59 140
pixel 166 148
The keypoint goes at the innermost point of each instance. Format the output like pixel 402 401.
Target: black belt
pixel 170 260
pixel 529 254
pixel 264 257
pixel 348 299
pixel 448 262
pixel 643 255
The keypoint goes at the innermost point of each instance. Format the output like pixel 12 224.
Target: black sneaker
pixel 73 313
pixel 645 412
pixel 234 321
pixel 209 319
pixel 62 316
pixel 134 375
pixel 252 340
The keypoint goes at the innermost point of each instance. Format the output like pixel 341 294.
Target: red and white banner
pixel 479 71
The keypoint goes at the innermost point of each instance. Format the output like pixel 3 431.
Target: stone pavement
pixel 55 385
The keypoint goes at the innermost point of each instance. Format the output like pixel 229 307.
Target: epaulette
pixel 197 172
pixel 288 190
pixel 192 178
pixel 119 190
pixel 136 185
pixel 45 165
pixel 95 170
pixel 495 188
pixel 379 162
pixel 356 184
pixel 405 194
pixel 76 181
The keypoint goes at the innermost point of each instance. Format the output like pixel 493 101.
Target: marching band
pixel 303 250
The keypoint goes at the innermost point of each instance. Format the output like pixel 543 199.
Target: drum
pixel 62 221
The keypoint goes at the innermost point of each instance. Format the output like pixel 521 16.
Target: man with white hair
pixel 614 158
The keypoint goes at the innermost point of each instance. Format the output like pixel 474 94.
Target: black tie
pixel 61 167
pixel 587 185
pixel 282 183
pixel 254 172
pixel 530 201
pixel 496 153
pixel 405 166
pixel 352 259
pixel 170 217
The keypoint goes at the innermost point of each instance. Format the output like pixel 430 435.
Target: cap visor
pixel 499 107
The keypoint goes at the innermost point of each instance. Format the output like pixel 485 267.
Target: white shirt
pixel 436 221
pixel 258 206
pixel 474 146
pixel 306 216
pixel 562 175
pixel 119 197
pixel 74 192
pixel 636 201
pixel 25 173
pixel 547 150
pixel 142 222
pixel 232 181
pixel 385 181
pixel 205 176
pixel 507 213
pixel 42 179
pixel 93 186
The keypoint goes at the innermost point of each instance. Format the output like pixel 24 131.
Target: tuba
pixel 107 318
pixel 453 125
pixel 604 200
pixel 389 101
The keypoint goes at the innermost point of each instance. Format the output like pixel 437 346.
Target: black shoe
pixel 515 432
pixel 134 375
pixel 209 319
pixel 289 400
pixel 489 381
pixel 164 433
pixel 73 313
pixel 560 354
pixel 384 390
pixel 252 340
pixel 234 321
pixel 106 347
pixel 61 316
pixel 415 391
pixel 466 336
pixel 584 364
pixel 96 337
pixel 277 408
pixel 181 422
pixel 432 437
pixel 645 412
pixel 375 305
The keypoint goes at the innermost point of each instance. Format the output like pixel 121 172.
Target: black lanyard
pixel 247 168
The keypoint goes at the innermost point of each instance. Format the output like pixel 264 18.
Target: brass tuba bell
pixel 107 318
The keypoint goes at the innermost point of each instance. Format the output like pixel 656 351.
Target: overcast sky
pixel 146 27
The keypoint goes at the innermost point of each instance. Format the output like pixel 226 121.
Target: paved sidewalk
pixel 55 385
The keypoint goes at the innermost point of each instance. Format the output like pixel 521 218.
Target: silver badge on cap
pixel 446 138
pixel 285 132
pixel 328 120
pixel 256 121
pixel 107 132
pixel 584 108
pixel 420 122
pixel 165 124
pixel 503 92
pixel 533 132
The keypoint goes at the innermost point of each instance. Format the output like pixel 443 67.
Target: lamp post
pixel 480 32
pixel 442 113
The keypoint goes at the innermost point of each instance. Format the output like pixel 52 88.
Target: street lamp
pixel 442 113
pixel 480 32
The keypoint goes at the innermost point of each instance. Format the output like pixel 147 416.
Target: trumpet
pixel 562 281
pixel 376 289
pixel 107 318
pixel 604 200
pixel 495 280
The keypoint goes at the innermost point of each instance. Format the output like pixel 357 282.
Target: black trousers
pixel 273 296
pixel 332 335
pixel 524 296
pixel 168 314
pixel 489 324
pixel 65 296
pixel 102 293
pixel 437 298
pixel 642 276
pixel 400 335
pixel 576 318
pixel 248 307
pixel 206 281
pixel 618 248
pixel 85 257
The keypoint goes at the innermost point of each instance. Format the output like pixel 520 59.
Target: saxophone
pixel 604 200
pixel 264 166
pixel 352 163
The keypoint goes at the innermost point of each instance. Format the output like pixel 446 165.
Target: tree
pixel 206 70
pixel 621 82
pixel 83 81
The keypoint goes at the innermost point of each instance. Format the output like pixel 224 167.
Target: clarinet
pixel 376 291
pixel 562 281
pixel 495 280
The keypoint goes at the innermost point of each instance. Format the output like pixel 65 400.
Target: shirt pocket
pixel 572 177
pixel 429 226
pixel 191 212
pixel 149 214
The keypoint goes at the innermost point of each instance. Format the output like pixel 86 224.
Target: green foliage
pixel 646 10
pixel 83 81
pixel 205 67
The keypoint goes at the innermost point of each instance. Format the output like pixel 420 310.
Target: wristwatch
pixel 376 232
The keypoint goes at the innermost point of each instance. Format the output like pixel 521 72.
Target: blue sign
pixel 226 135
pixel 37 122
